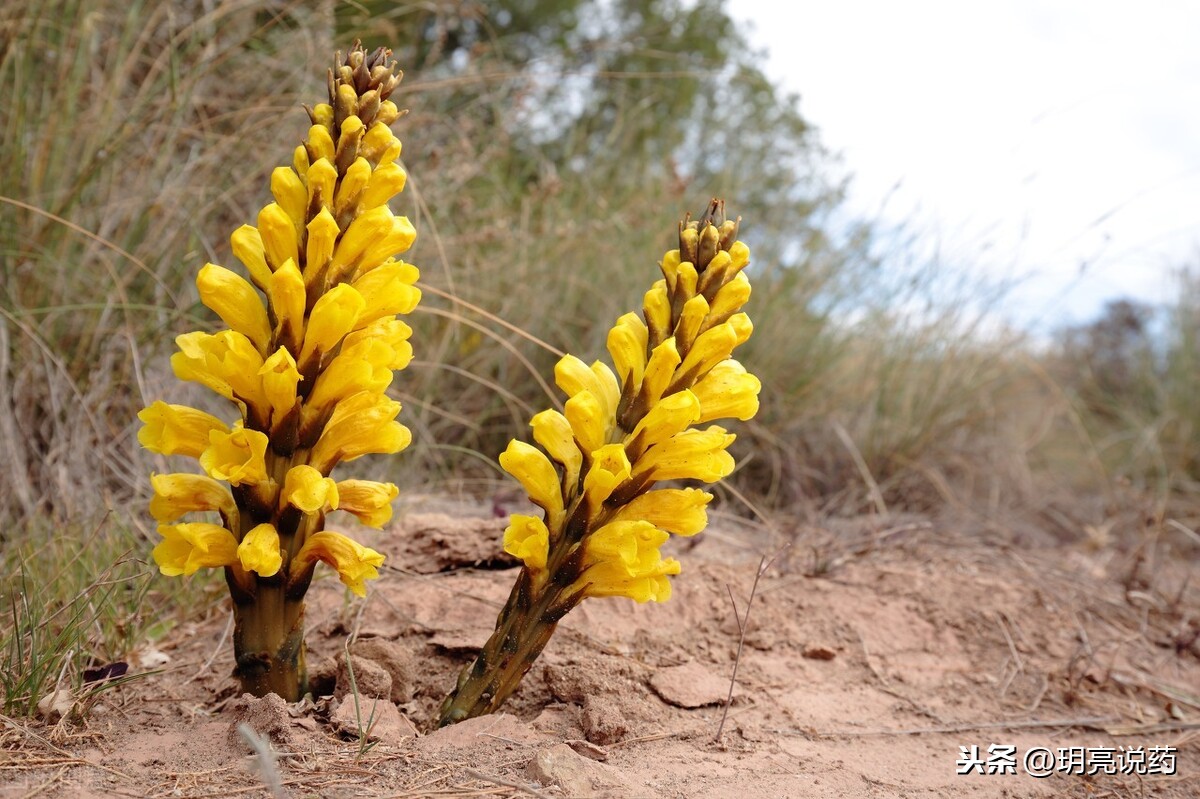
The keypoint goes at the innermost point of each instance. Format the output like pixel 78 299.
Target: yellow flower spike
pixel 370 501
pixel 730 298
pixel 388 290
pixel 690 455
pixel 321 179
pixel 588 421
pixel 728 391
pixel 309 491
pixel 527 539
pixel 694 311
pixel 187 548
pixel 177 429
pixel 363 368
pixel 247 247
pixel 385 330
pixel 360 427
pixel 610 467
pixel 553 433
pixel 278 235
pixel 354 563
pixel 280 377
pixel 673 414
pixel 536 474
pixel 386 182
pixel 225 362
pixel 319 145
pixel 354 182
pixel 681 511
pixel 627 345
pixel 237 302
pixel 236 457
pixel 288 299
pixel 333 316
pixel 259 551
pixel 290 193
pixel 178 494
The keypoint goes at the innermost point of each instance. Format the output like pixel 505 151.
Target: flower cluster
pixel 620 433
pixel 311 343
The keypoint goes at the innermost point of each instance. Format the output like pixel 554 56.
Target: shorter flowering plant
pixel 309 349
pixel 593 477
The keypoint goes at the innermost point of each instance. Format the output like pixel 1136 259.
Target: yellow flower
pixel 363 367
pixel 285 289
pixel 388 290
pixel 226 362
pixel 279 380
pixel 610 468
pixel 360 425
pixel 236 457
pixel 332 317
pixel 289 191
pixel 386 330
pixel 237 303
pixel 259 551
pixel 553 432
pixel 278 235
pixel 728 391
pixel 690 455
pixel 627 345
pixel 622 559
pixel 573 376
pixel 536 473
pixel 187 548
pixel 729 299
pixel 354 563
pixel 247 247
pixel 671 415
pixel 322 237
pixel 371 502
pixel 308 490
pixel 527 539
pixel 660 368
pixel 589 422
pixel 177 429
pixel 677 510
pixel 179 494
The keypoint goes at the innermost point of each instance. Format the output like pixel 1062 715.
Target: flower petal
pixel 728 391
pixel 308 490
pixel 187 548
pixel 536 474
pixel 527 539
pixel 236 457
pixel 553 432
pixel 179 494
pixel 238 304
pixel 370 501
pixel 355 564
pixel 677 510
pixel 259 551
pixel 177 429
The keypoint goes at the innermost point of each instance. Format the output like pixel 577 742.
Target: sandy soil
pixel 875 650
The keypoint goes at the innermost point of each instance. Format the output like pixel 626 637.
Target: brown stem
pixel 268 642
pixel 522 631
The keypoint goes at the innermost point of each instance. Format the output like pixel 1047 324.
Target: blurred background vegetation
pixel 552 146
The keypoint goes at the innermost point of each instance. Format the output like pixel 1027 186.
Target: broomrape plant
pixel 307 369
pixel 602 520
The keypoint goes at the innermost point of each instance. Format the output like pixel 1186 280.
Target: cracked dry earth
pixel 875 650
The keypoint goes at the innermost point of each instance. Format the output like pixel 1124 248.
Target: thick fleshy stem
pixel 268 643
pixel 522 631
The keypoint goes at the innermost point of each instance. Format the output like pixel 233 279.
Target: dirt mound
pixel 874 661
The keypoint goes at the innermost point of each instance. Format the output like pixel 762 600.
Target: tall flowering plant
pixel 311 342
pixel 594 475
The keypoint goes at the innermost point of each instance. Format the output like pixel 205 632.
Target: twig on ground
pixel 743 623
pixel 506 783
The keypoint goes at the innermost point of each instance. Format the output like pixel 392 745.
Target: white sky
pixel 1056 140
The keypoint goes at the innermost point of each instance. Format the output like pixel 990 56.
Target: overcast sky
pixel 1057 140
